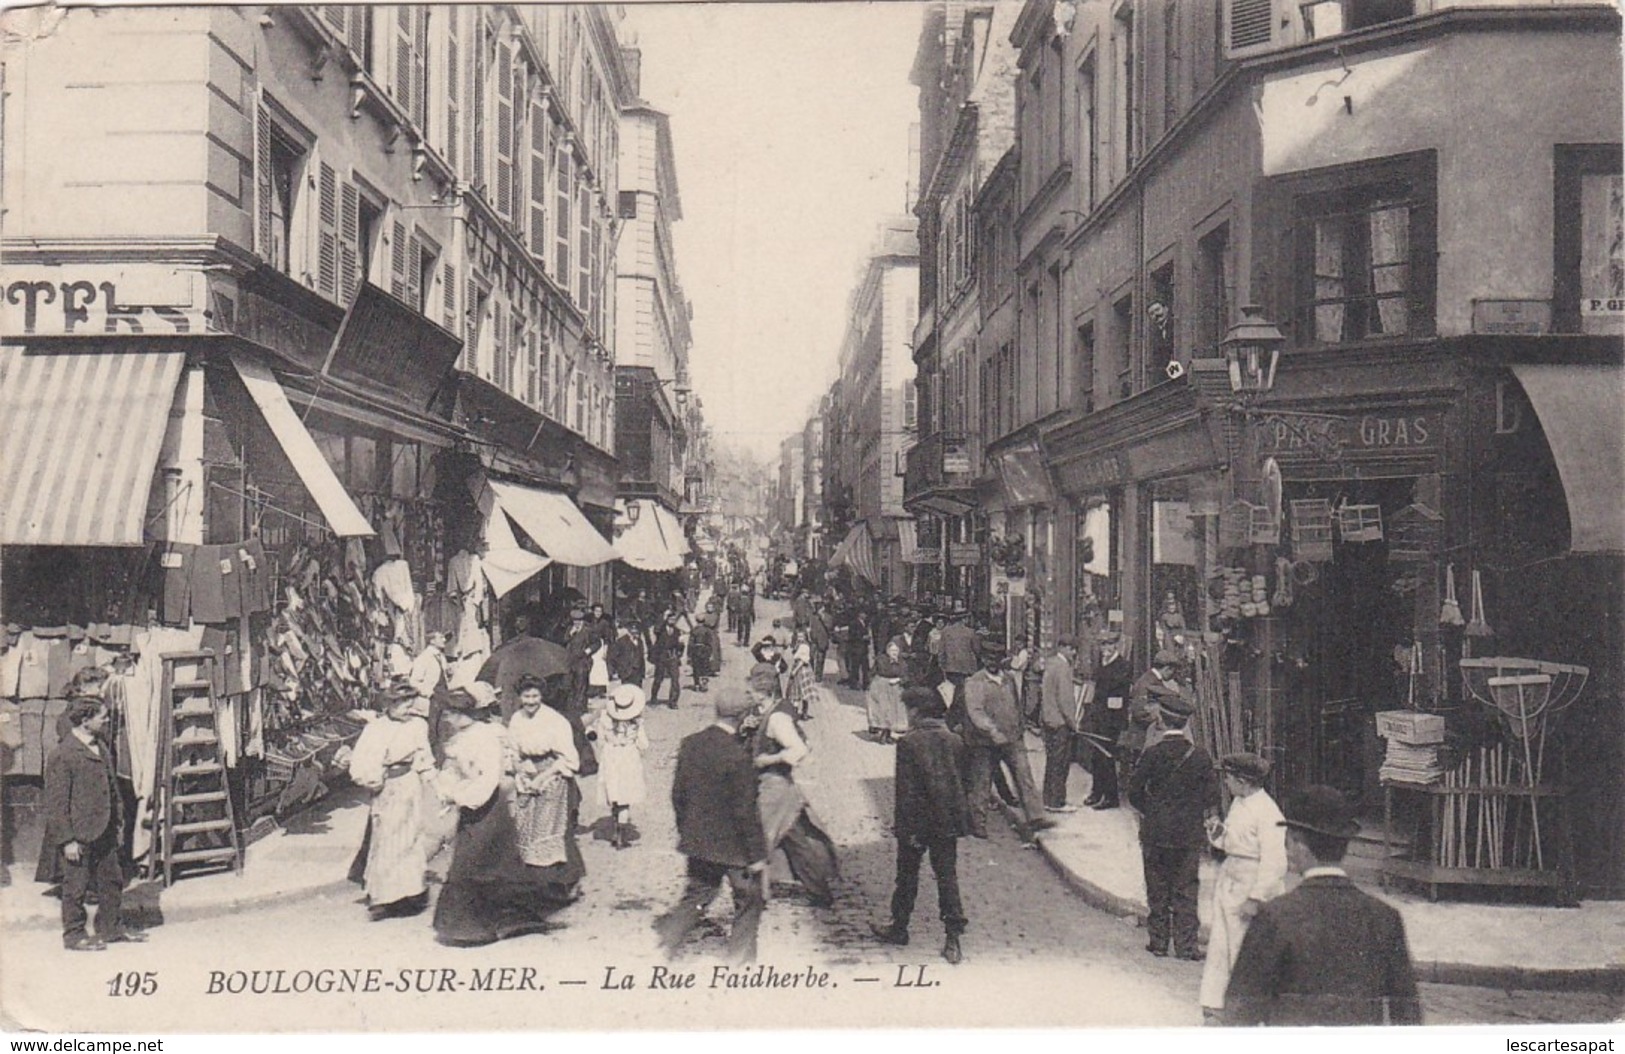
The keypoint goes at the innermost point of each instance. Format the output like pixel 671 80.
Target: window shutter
pixel 476 103
pixel 454 89
pixel 562 231
pixel 334 16
pixel 538 179
pixel 505 144
pixel 448 287
pixel 499 345
pixel 397 260
pixel 349 241
pixel 1251 27
pixel 533 368
pixel 262 181
pixel 414 253
pixel 584 246
pixel 420 66
pixel 401 83
pixel 520 93
pixel 327 267
pixel 471 336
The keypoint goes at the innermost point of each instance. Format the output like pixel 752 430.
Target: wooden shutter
pixel 521 92
pixel 420 66
pixel 397 260
pixel 499 347
pixel 1252 26
pixel 401 81
pixel 262 181
pixel 538 179
pixel 336 17
pixel 505 144
pixel 349 241
pixel 454 89
pixel 448 289
pixel 327 264
pixel 471 336
pixel 476 101
pixel 414 275
pixel 562 231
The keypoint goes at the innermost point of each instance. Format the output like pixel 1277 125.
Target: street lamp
pixel 1252 349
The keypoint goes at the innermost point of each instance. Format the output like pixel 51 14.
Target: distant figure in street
pixel 855 649
pixel 622 743
pixel 1141 730
pixel 956 651
pixel 1105 719
pixel 666 649
pixel 392 759
pixel 82 824
pixel 818 631
pixel 1175 789
pixel 1058 714
pixel 719 830
pixel 1252 871
pixel 703 647
pixel 931 814
pixel 744 604
pixel 883 704
pixel 787 817
pixel 1325 953
pixel 993 733
pixel 626 660
pixel 800 686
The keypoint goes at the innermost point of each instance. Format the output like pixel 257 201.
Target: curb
pixel 1609 979
pixel 212 909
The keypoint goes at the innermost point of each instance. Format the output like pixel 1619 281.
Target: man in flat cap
pixel 1252 870
pixel 993 733
pixel 1325 953
pixel 1175 788
pixel 719 829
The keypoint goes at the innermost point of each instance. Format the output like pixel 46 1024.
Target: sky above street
pixel 790 123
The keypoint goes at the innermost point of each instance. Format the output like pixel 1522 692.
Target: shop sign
pixel 1005 586
pixel 1512 317
pixel 90 301
pixel 964 554
pixel 1327 437
pixel 1097 472
pixel 270 325
pixel 955 461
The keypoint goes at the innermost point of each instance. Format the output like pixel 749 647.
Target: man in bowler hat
pixel 1175 789
pixel 1326 953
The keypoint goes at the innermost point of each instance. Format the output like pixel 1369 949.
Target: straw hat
pixel 626 702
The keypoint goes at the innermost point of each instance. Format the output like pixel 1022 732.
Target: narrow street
pixel 1054 959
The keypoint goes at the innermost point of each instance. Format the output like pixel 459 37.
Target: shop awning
pixel 653 541
pixel 855 552
pixel 317 475
pixel 80 435
pixel 505 564
pixel 1581 409
pixel 908 541
pixel 555 524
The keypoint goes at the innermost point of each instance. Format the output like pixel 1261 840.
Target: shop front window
pixel 1094 581
pixel 1175 573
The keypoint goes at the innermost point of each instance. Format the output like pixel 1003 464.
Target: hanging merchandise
pixel 1360 523
pixel 1415 532
pixel 1477 626
pixel 1283 583
pixel 1450 609
pixel 1312 529
pixel 1263 526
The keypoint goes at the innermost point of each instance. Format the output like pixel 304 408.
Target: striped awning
pixel 856 552
pixel 80 434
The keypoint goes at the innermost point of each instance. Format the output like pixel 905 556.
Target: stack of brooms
pixel 1219 719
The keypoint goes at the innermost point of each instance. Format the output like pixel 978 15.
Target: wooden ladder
pixel 196 828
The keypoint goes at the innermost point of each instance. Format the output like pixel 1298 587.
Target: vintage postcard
pixel 927 514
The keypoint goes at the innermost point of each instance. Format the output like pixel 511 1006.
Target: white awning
pixel 505 565
pixel 555 524
pixel 1582 409
pixel 323 484
pixel 651 542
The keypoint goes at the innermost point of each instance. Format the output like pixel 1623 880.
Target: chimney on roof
pixel 632 59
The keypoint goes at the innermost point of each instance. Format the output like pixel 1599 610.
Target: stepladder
pixel 195 825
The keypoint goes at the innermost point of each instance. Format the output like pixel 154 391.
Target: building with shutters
pixel 1440 253
pixel 335 281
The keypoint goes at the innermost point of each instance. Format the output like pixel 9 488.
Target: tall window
pixel 1212 289
pixel 1123 94
pixel 1123 345
pixel 287 181
pixel 1170 64
pixel 371 229
pixel 1365 247
pixel 1088 102
pixel 1589 277
pixel 1083 354
pixel 1159 325
pixel 428 259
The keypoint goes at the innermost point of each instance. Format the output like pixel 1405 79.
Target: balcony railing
pixel 943 459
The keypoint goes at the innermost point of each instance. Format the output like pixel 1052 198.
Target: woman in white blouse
pixel 491 892
pixel 1253 871
pixel 392 759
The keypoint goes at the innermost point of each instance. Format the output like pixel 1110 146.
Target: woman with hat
pixel 491 891
pixel 884 701
pixel 1253 870
pixel 622 742
pixel 392 759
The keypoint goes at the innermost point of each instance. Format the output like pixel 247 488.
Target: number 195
pixel 133 983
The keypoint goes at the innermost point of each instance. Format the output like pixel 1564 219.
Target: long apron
pixel 1234 882
pixel 396 849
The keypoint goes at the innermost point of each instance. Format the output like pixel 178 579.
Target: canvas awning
pixel 80 435
pixel 855 551
pixel 653 540
pixel 505 564
pixel 1581 409
pixel 337 507
pixel 554 524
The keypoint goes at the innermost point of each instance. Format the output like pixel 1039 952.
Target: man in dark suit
pixel 1105 719
pixel 931 815
pixel 719 830
pixel 1325 953
pixel 1175 789
pixel 625 659
pixel 82 825
pixel 818 637
pixel 666 652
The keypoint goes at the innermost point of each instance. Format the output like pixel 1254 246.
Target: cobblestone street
pixel 1054 959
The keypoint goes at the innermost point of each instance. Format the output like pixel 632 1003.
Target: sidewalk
pixel 1489 945
pixel 309 857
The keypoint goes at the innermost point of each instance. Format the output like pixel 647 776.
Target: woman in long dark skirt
pixel 490 892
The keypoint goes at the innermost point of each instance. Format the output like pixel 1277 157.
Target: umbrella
pixel 518 657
